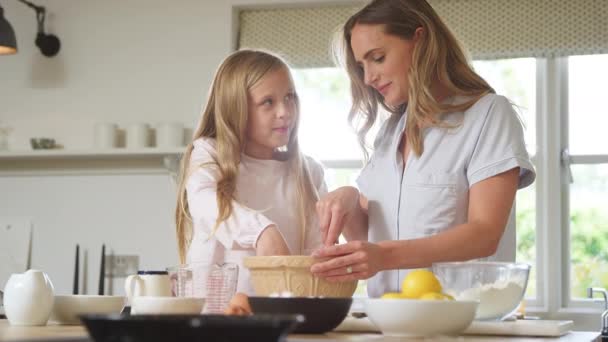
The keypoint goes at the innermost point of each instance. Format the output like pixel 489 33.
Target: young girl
pixel 245 188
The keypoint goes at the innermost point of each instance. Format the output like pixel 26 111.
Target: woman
pixel 446 164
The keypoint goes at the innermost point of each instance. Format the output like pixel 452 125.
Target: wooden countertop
pixel 78 333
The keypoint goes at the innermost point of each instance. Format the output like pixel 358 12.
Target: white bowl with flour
pixel 498 286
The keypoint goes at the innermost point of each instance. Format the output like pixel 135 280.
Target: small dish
pixel 157 328
pixel 66 308
pixel 151 305
pixel 321 314
pixel 42 143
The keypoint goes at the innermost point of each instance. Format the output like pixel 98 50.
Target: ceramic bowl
pixel 321 314
pixel 151 305
pixel 277 274
pixel 66 308
pixel 420 318
pixel 498 286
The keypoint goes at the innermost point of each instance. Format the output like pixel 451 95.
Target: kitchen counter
pixel 78 333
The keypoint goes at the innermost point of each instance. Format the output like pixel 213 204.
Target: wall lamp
pixel 48 44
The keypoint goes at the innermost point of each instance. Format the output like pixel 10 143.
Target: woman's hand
pixel 334 210
pixel 271 242
pixel 349 261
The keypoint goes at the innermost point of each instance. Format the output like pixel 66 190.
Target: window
pixel 588 188
pixel 325 102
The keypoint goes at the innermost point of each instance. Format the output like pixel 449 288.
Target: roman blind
pixel 489 29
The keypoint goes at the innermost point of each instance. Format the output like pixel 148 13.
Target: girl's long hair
pixel 436 58
pixel 224 119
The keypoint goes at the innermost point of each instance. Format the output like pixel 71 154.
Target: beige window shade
pixel 489 29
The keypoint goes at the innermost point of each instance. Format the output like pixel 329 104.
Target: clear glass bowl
pixel 498 286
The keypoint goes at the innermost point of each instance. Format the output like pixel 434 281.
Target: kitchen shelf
pixel 108 161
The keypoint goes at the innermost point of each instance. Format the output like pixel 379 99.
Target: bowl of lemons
pixel 420 309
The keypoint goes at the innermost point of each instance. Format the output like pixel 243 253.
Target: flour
pixel 495 299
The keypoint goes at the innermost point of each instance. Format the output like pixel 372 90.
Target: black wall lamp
pixel 48 44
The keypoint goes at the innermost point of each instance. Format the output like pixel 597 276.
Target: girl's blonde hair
pixel 224 119
pixel 437 57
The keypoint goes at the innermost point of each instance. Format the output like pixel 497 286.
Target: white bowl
pixel 420 318
pixel 152 305
pixel 66 308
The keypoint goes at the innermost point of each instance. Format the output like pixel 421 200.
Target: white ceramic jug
pixel 28 298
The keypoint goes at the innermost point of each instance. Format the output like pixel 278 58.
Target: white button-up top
pixel 432 193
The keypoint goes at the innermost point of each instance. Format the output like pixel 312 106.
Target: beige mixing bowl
pixel 276 274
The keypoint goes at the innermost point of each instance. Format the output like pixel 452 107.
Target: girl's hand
pixel 334 210
pixel 239 305
pixel 349 261
pixel 271 242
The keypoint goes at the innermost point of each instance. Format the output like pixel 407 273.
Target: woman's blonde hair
pixel 224 119
pixel 436 57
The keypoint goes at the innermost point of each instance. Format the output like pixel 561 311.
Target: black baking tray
pixel 185 328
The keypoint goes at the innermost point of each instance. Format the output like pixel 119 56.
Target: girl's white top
pixel 265 195
pixel 432 193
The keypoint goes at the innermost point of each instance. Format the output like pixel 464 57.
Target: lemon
pixel 448 297
pixel 432 296
pixel 392 295
pixel 419 282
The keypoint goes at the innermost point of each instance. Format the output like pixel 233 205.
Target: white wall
pixel 120 61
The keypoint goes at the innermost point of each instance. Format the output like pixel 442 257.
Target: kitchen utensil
pixel 102 270
pixel 170 134
pixel 498 286
pixel 28 298
pixel 420 318
pixel 157 328
pixel 520 327
pixel 321 314
pixel 138 135
pixel 216 283
pixel 5 132
pixel 67 308
pixel 148 283
pixel 105 135
pixel 275 274
pixel 150 305
pixel 76 270
pixel 590 292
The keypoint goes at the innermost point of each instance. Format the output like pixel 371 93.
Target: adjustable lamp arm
pixel 48 44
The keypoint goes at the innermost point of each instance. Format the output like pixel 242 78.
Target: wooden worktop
pixel 78 333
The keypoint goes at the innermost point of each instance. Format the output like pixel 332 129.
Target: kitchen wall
pixel 120 61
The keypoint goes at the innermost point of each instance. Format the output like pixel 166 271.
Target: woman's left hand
pixel 349 261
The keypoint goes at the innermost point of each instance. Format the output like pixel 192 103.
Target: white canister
pixel 105 135
pixel 138 135
pixel 28 298
pixel 170 134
